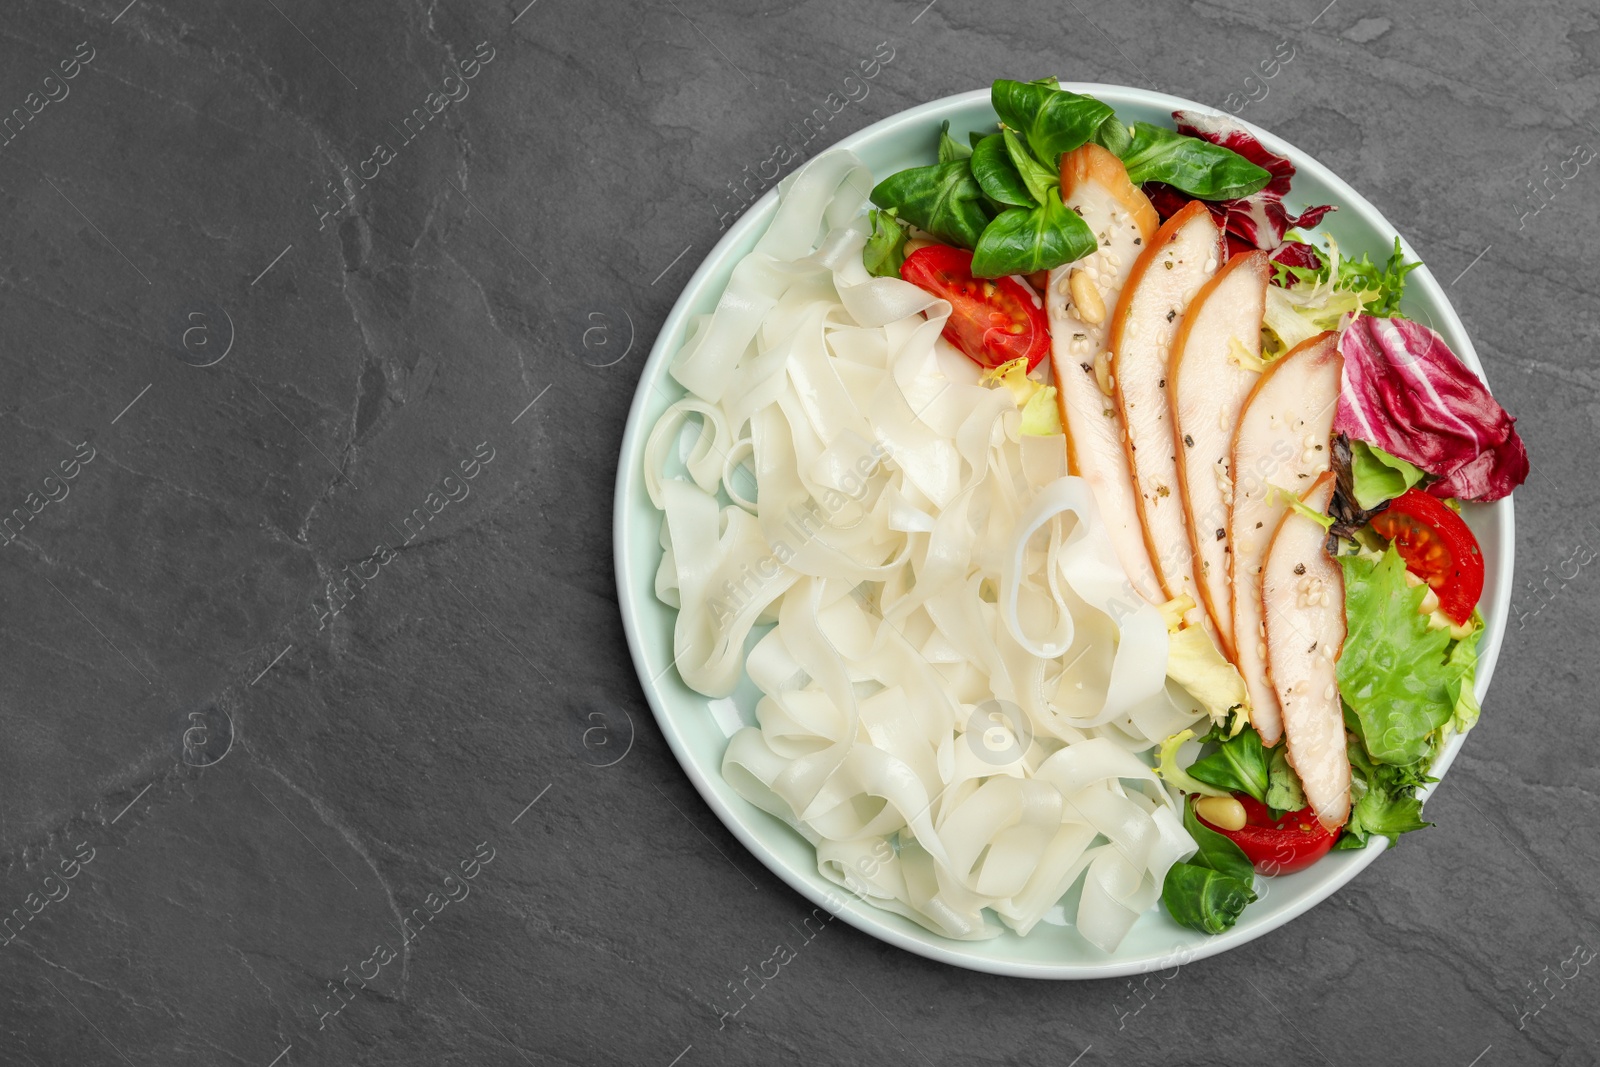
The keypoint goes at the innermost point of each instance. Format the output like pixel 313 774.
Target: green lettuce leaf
pixel 1463 701
pixel 1377 289
pixel 1239 764
pixel 1023 240
pixel 1050 120
pixel 1038 178
pixel 1292 501
pixel 1393 673
pixel 1381 287
pixel 1284 792
pixel 885 250
pixel 1195 662
pixel 1174 775
pixel 1114 137
pixel 950 149
pixel 1382 812
pixel 1385 800
pixel 1210 890
pixel 943 199
pixel 1377 476
pixel 1035 400
pixel 997 175
pixel 1203 899
pixel 1204 170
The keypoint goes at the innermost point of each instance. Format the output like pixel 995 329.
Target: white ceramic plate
pixel 698 728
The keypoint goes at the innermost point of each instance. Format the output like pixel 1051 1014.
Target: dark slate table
pixel 320 323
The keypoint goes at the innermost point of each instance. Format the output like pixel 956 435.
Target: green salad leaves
pixel 1385 800
pixel 1284 791
pixel 1377 476
pixel 1406 684
pixel 943 199
pixel 1052 121
pixel 1378 289
pixel 1381 286
pixel 886 246
pixel 951 149
pixel 1463 662
pixel 1209 891
pixel 997 173
pixel 1022 240
pixel 1204 170
pixel 1239 765
pixel 1393 673
pixel 1001 197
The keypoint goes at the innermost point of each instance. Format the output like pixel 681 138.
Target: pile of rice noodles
pixel 930 570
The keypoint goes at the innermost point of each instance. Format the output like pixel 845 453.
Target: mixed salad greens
pixel 1000 194
pixel 1333 677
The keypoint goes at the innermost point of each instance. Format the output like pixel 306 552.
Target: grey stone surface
pixel 166 210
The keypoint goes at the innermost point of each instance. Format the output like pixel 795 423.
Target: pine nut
pixel 1225 813
pixel 1086 299
pixel 1102 371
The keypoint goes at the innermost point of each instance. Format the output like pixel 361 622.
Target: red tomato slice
pixel 1278 846
pixel 993 320
pixel 1437 547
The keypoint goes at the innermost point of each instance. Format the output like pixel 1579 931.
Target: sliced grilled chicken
pixel 1282 441
pixel 1080 298
pixel 1207 385
pixel 1302 597
pixel 1167 277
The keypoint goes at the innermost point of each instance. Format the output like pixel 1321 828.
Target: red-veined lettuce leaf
pixel 1256 221
pixel 1294 254
pixel 1407 393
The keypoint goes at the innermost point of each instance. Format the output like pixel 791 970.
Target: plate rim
pixel 866 917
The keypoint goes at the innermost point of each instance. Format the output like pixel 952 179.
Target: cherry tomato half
pixel 1278 846
pixel 1437 547
pixel 992 320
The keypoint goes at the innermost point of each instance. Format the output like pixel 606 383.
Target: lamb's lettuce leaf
pixel 1259 220
pixel 1022 240
pixel 1039 178
pixel 1050 120
pixel 1239 764
pixel 1210 890
pixel 997 175
pixel 1203 899
pixel 951 149
pixel 1203 170
pixel 943 199
pixel 1114 137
